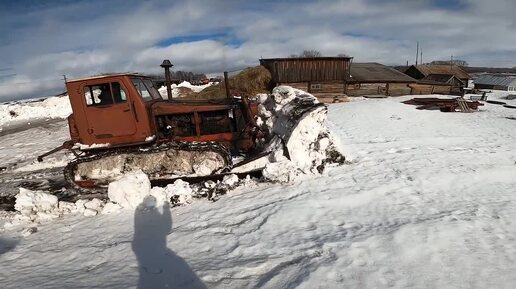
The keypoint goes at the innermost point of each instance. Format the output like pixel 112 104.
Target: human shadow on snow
pixel 159 267
pixel 7 245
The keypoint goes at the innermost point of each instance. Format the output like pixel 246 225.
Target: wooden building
pixel 449 74
pixel 324 77
pixel 431 87
pixel 496 82
pixel 377 79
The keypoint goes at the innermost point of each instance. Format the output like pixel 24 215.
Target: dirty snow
pixel 426 202
pixel 176 92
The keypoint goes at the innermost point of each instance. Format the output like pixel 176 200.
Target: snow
pixel 56 107
pixel 28 202
pixel 91 146
pixel 426 201
pixel 130 190
pixel 299 145
pixel 177 92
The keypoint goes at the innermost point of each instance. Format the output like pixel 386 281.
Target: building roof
pixel 428 69
pixel 376 72
pixel 442 78
pixel 305 58
pixel 501 80
pixel 438 77
pixel 470 69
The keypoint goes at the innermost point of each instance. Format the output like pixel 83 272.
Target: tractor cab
pixel 111 109
pixel 126 110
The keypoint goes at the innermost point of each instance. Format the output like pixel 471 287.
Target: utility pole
pixel 417 51
pixel 421 58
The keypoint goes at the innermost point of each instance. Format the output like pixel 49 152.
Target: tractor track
pixel 70 169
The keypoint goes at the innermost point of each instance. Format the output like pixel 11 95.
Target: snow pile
pixel 179 90
pixel 29 202
pixel 133 188
pixel 300 142
pixel 38 207
pixel 130 190
pixel 50 108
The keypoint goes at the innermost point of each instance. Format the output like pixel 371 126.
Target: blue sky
pixel 42 40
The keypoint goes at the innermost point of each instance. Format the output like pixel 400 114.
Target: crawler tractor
pixel 120 122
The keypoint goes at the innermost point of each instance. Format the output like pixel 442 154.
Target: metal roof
pixel 501 80
pixel 376 72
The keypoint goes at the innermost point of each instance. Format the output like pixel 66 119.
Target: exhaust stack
pixel 167 65
pixel 226 84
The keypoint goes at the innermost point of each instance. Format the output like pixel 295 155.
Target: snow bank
pixel 26 112
pixel 300 140
pixel 178 89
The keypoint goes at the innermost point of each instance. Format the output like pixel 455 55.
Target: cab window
pixel 142 90
pixel 104 94
pixel 146 89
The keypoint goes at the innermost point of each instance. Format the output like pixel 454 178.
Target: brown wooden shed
pixel 324 77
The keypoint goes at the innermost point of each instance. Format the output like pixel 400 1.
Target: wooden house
pixel 324 77
pixel 377 79
pixel 449 74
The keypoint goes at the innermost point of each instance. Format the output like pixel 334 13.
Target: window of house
pixel 104 94
pixel 315 86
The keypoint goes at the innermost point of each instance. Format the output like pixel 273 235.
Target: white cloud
pixel 82 39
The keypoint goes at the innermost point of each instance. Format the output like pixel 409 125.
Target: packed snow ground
pixel 427 202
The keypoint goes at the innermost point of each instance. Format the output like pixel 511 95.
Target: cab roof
pixel 107 76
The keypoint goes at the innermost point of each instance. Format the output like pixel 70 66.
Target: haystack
pixel 248 82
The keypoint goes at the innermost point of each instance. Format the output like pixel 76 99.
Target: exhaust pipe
pixel 167 65
pixel 226 84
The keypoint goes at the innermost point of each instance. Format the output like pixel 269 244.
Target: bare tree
pixel 310 53
pixel 448 62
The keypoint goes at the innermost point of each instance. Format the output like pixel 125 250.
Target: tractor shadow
pixel 159 267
